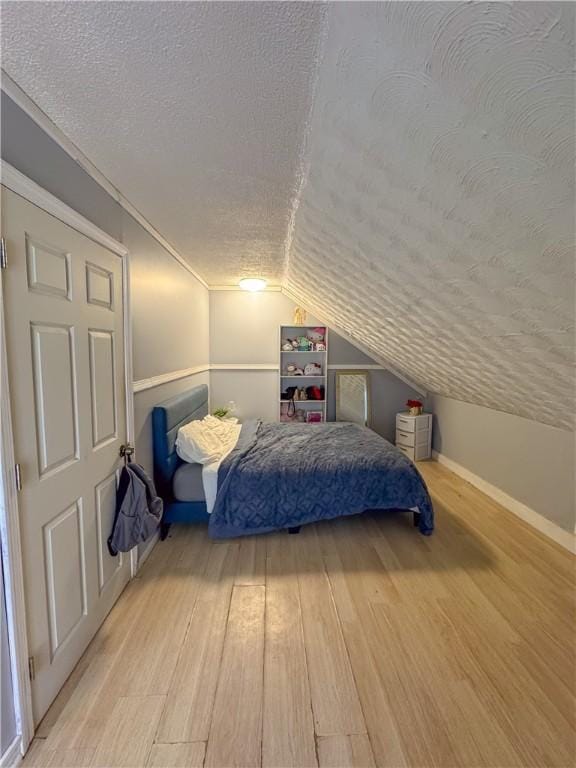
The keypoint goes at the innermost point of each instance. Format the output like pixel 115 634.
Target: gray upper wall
pixel 532 462
pixel 29 149
pixel 169 307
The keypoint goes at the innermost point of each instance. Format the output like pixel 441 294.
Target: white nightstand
pixel 414 435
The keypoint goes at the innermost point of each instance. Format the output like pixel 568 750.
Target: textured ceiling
pixel 437 222
pixel 195 111
pixel 415 160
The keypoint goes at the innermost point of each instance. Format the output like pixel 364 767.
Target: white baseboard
pixel 535 519
pixel 146 554
pixel 12 756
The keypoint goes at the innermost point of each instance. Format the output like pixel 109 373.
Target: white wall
pixel 534 463
pixel 244 330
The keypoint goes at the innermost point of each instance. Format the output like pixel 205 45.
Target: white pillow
pixel 202 442
pixel 197 444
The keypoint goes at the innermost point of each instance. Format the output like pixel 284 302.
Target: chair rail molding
pixel 140 385
pixel 244 367
pixel 165 378
pixel 355 366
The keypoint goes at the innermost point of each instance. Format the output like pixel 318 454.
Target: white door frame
pixel 12 179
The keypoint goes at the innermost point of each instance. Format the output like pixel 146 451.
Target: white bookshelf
pixel 301 358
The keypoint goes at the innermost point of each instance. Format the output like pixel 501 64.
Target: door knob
pixel 126 452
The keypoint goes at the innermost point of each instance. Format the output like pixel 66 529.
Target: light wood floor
pixel 357 643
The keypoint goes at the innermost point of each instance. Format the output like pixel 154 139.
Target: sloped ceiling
pixel 195 111
pixel 414 161
pixel 437 222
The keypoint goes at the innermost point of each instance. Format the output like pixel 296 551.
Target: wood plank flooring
pixel 357 643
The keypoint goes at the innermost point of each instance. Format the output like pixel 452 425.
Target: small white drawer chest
pixel 414 435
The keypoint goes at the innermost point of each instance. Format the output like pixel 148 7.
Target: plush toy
pixel 313 369
pixel 293 370
pixel 316 334
pixel 304 344
pixel 320 346
pixel 287 346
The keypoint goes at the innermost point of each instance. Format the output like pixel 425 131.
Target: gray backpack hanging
pixel 138 510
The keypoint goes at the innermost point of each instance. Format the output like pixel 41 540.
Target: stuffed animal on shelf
pixel 293 370
pixel 312 369
pixel 316 334
pixel 287 346
pixel 320 346
pixel 304 344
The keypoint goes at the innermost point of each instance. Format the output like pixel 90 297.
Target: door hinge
pixel 3 254
pixel 31 667
pixel 18 473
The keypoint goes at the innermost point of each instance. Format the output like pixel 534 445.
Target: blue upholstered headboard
pixel 167 418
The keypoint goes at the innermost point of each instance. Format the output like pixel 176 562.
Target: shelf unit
pixel 301 358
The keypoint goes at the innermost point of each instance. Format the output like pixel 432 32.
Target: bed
pixel 169 470
pixel 281 476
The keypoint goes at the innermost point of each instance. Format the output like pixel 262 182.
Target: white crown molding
pixel 564 538
pixel 12 179
pixel 27 105
pixel 166 378
pixel 331 323
pixel 129 208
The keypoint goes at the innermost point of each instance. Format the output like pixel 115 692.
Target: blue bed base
pixel 167 418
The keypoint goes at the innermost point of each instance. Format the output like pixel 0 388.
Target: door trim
pixel 20 184
pixel 12 556
pixel 13 179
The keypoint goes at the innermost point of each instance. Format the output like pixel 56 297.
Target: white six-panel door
pixel 65 343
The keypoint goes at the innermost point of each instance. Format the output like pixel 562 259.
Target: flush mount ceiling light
pixel 252 284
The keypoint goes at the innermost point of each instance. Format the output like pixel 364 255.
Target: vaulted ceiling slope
pixel 437 222
pixel 195 111
pixel 412 160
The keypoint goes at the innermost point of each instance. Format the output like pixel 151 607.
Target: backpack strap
pixel 120 494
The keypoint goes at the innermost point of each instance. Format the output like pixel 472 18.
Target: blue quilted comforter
pixel 284 475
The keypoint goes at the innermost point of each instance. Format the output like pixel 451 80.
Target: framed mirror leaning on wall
pixel 353 397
